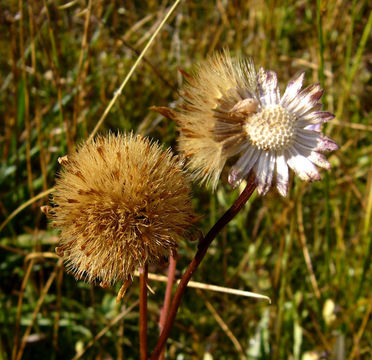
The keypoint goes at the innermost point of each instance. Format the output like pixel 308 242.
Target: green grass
pixel 60 65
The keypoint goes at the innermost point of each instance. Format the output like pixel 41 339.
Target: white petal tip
pixel 316 177
pixel 326 116
pixel 235 178
pixel 282 189
pixel 328 145
pixel 262 189
pixel 326 166
pixel 310 176
pixel 313 127
pixel 319 160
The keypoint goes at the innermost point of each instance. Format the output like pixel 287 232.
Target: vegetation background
pixel 60 65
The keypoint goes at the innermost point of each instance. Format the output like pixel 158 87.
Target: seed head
pixel 119 202
pixel 231 110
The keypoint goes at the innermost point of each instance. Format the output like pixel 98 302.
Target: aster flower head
pixel 120 201
pixel 231 110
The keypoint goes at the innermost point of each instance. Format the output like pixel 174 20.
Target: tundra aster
pixel 230 110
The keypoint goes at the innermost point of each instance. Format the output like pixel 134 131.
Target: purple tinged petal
pixel 308 138
pixel 314 118
pixel 304 168
pixel 243 166
pixel 311 109
pixel 304 149
pixel 293 88
pixel 322 116
pixel 266 176
pixel 326 116
pixel 319 160
pixel 272 90
pixel 262 170
pixel 312 155
pixel 259 169
pixel 235 177
pixel 312 93
pixel 306 101
pixel 282 175
pixel 313 127
pixel 326 144
pixel 271 81
pixel 268 87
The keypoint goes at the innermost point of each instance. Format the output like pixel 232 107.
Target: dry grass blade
pixel 223 326
pixel 133 68
pixel 209 287
pixel 19 307
pixel 305 250
pixel 44 255
pixel 106 328
pixel 23 206
pixel 26 100
pixel 37 309
pixel 351 125
pixel 358 336
pixel 58 307
pixel 81 72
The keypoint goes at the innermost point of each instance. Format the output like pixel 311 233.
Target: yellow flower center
pixel 272 128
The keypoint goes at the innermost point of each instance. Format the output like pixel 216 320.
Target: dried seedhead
pixel 119 202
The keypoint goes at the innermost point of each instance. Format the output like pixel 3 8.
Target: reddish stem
pixel 202 249
pixel 143 312
pixel 167 297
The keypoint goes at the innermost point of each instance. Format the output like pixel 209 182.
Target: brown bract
pixel 119 202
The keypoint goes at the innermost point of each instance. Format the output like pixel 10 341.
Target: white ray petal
pixel 282 175
pixel 272 90
pixel 268 87
pixel 313 127
pixel 264 170
pixel 306 101
pixel 326 144
pixel 319 160
pixel 304 168
pixel 293 88
pixel 243 166
pixel 309 110
pixel 316 117
pixel 270 173
pixel 313 156
pixel 308 138
pixel 260 169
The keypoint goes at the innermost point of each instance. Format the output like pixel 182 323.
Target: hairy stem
pixel 202 250
pixel 143 312
pixel 167 297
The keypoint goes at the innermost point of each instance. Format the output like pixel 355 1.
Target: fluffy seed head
pixel 231 110
pixel 119 202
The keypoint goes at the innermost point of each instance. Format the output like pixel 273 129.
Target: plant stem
pixel 167 297
pixel 143 312
pixel 202 249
